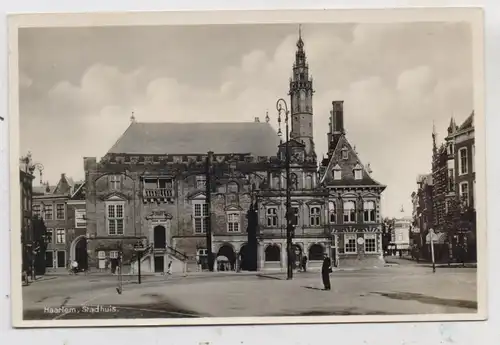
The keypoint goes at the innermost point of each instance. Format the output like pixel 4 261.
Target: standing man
pixel 326 269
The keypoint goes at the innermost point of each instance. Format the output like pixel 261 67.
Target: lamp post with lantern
pixel 282 107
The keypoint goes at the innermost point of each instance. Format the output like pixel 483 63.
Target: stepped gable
pixel 345 159
pixel 256 138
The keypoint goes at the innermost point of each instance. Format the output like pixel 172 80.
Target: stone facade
pixel 27 236
pixel 354 209
pixel 214 177
pixel 56 206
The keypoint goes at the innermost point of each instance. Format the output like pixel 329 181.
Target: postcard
pixel 247 167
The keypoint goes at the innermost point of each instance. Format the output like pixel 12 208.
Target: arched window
pixel 272 253
pixel 349 212
pixel 332 212
pixel 316 252
pixel 309 182
pixel 232 187
pixel 369 211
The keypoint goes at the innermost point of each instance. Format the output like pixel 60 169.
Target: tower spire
pixel 434 137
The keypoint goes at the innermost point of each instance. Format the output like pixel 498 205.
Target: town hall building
pixel 165 185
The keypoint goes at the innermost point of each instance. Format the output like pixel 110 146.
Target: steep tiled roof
pixel 468 123
pixel 346 166
pixel 256 138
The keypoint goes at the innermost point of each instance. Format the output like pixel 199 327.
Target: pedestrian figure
pixel 304 263
pixel 74 267
pixel 169 268
pixel 326 269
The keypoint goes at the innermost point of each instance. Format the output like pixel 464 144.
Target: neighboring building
pixel 460 144
pixel 354 210
pixel 51 204
pixel 27 236
pixel 151 188
pixel 425 212
pixel 402 228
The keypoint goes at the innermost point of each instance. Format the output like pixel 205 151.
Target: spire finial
pixel 402 209
pixel 132 118
pixel 267 116
pixel 300 31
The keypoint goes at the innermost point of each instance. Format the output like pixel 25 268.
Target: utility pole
pixel 208 199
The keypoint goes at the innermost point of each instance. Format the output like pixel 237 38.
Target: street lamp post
pixel 139 248
pixel 281 106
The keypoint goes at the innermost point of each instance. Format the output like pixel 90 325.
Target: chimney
pixel 257 119
pixel 337 117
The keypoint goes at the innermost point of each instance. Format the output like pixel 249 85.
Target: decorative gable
pixel 344 168
pixel 115 196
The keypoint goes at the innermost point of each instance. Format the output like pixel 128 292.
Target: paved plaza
pixel 400 289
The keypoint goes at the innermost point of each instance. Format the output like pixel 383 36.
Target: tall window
pixel 349 212
pixel 370 243
pixel 451 180
pixel 463 161
pixel 332 212
pixel 295 212
pixel 473 158
pixel 358 174
pixel 272 216
pixel 350 243
pixel 464 192
pixel 314 215
pixel 115 218
pixel 115 181
pixel 80 220
pixel 200 215
pixel 60 236
pixel 233 222
pixel 294 182
pixel 201 182
pixel 337 172
pixel 50 235
pixel 49 212
pixel 60 211
pixel 36 210
pixel 309 182
pixel 345 153
pixel 369 211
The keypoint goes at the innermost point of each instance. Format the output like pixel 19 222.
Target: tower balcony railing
pixel 158 193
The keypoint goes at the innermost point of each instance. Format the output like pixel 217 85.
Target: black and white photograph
pixel 247 167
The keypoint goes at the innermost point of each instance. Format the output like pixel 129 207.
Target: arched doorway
pixel 272 253
pixel 160 237
pixel 81 255
pixel 226 251
pixel 316 252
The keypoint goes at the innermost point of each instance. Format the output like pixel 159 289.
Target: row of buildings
pixel 162 186
pixel 445 198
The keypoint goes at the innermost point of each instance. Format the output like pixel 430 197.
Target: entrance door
pixel 49 259
pixel 160 237
pixel 159 264
pixel 61 259
pixel 81 254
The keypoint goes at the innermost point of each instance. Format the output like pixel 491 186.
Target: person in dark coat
pixel 326 269
pixel 304 263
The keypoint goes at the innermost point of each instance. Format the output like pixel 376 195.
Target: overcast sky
pixel 79 86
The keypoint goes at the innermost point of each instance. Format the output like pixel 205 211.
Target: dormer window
pixel 345 153
pixel 337 172
pixel 358 172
